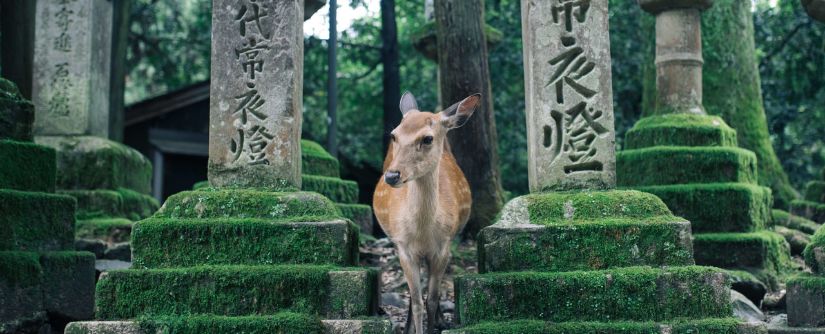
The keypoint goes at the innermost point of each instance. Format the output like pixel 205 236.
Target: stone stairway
pixel 241 260
pixel 44 283
pixel 592 261
pixel 692 162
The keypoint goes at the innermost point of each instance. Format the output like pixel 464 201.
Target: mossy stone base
pixel 237 291
pixel 122 202
pixel 810 210
pixel 656 241
pixel 796 239
pixel 763 250
pixel 704 326
pixel 680 129
pixel 806 301
pixel 339 191
pixel 360 214
pixel 26 166
pixel 662 165
pixel 315 160
pixel 284 322
pixel 814 253
pixel 165 242
pixel 815 192
pixel 248 203
pixel 783 218
pixel 632 294
pixel 110 230
pixel 85 162
pixel 34 221
pixel 717 207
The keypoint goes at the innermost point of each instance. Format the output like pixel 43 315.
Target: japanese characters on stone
pixel 61 83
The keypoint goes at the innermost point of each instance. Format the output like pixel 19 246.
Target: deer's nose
pixel 392 177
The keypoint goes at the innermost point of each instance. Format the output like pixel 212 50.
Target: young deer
pixel 423 199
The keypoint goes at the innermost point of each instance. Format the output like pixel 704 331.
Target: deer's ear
pixel 407 103
pixel 456 115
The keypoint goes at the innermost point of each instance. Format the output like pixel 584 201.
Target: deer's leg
pixel 437 264
pixel 412 274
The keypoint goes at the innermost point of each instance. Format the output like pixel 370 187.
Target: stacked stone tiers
pixel 592 261
pixel 43 282
pixel 813 205
pixel 693 164
pixel 806 292
pixel 241 259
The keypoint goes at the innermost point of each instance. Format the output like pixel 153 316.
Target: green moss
pixel 680 130
pixel 32 221
pixel 317 161
pixel 360 214
pixel 718 207
pixel 814 253
pixel 109 229
pixel 662 165
pixel 572 207
pixel 163 242
pixel 200 185
pixel 809 282
pixel 713 326
pixel 20 268
pixel 26 166
pixel 607 243
pixel 758 250
pixel 810 210
pixel 339 191
pixel 122 203
pixel 783 218
pixel 248 203
pixel 69 283
pixel 815 191
pixel 16 113
pixel 633 294
pixel 284 322
pixel 224 290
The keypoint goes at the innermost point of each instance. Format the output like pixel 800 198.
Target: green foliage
pixel 27 166
pixel 33 221
pixel 248 203
pixel 716 326
pixel 279 323
pixel 339 191
pixel 589 206
pixel 663 165
pixel 680 130
pixel 783 218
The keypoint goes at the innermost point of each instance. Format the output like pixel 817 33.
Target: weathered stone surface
pixel 94 246
pixel 120 251
pixel 815 8
pixel 72 65
pixel 20 286
pixel 26 166
pixel 69 284
pixel 744 309
pixel 32 221
pixel 16 113
pixel 796 239
pixel 569 106
pixel 806 301
pixel 256 94
pixel 779 325
pixel 704 326
pixel 369 326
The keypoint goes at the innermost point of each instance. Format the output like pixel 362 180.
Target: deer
pixel 423 200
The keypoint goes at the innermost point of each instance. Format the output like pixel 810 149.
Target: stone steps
pixel 238 290
pixel 717 207
pixel 680 129
pixel 662 165
pixel 26 166
pixel 630 294
pixel 810 210
pixel 123 203
pixel 167 242
pixel 360 214
pixel 762 250
pixel 338 190
pixel 704 326
pixel 783 218
pixel 284 322
pixel 315 160
pixel 36 221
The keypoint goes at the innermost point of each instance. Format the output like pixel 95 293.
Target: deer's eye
pixel 427 140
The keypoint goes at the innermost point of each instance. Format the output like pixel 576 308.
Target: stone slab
pixel 72 65
pixel 338 190
pixel 705 326
pixel 317 161
pixel 783 218
pixel 806 301
pixel 363 326
pixel 20 286
pixel 680 129
pixel 763 250
pixel 248 203
pixel 664 165
pixel 360 214
pixel 779 325
pixel 569 98
pixel 256 93
pixel 69 284
pixel 26 166
pixel 34 221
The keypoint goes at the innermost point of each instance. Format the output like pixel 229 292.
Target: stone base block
pixel 122 203
pixel 759 250
pixel 26 166
pixel 806 301
pixel 249 203
pixel 717 207
pixel 359 214
pixel 339 191
pixel 315 160
pixel 166 242
pixel 655 241
pixel 705 326
pixel 109 230
pixel 34 221
pixel 85 162
pixel 280 323
pixel 20 286
pixel 810 210
pixel 663 165
pixel 680 129
pixel 779 325
pixel 631 294
pixel 327 291
pixel 783 218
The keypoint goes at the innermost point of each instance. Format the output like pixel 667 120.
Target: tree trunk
pixel 17 27
pixel 463 70
pixel 332 81
pixel 389 58
pixel 120 43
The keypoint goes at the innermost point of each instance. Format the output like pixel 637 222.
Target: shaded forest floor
pixel 395 296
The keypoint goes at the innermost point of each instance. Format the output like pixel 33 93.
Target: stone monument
pixel 576 255
pixel 691 160
pixel 43 282
pixel 251 253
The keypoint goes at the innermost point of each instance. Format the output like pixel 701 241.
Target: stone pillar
pixel 72 61
pixel 256 94
pixel 678 54
pixel 569 96
pixel 815 8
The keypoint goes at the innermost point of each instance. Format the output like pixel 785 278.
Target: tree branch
pixel 784 43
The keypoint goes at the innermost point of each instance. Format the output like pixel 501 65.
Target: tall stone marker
pixel 256 102
pixel 71 74
pixel 569 96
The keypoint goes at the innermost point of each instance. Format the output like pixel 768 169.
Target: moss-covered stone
pixel 680 129
pixel 16 113
pixel 763 250
pixel 248 203
pixel 283 322
pixel 632 294
pixel 717 207
pixel 806 301
pixel 783 218
pixel 20 286
pixel 815 191
pixel 360 214
pixel 814 253
pixel 69 284
pixel 26 166
pixel 200 185
pixel 85 163
pixel 339 191
pixel 111 230
pixel 235 291
pixel 662 165
pixel 315 160
pixel 121 202
pixel 607 243
pixel 810 210
pixel 32 221
pixel 704 326
pixel 164 242
pixel 796 239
